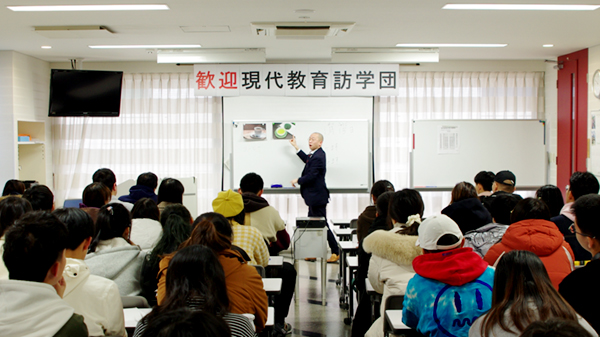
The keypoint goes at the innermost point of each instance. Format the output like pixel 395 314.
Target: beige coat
pixel 390 268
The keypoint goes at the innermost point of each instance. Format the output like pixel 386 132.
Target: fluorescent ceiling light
pixel 452 45
pixel 522 7
pixel 384 55
pixel 46 47
pixel 146 46
pixel 73 8
pixel 548 46
pixel 232 55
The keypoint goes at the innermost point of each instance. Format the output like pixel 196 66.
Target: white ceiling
pixel 379 23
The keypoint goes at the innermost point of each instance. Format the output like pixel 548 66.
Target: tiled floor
pixel 307 316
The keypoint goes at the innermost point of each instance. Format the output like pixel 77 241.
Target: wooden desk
pixel 394 319
pixel 272 285
pixel 275 261
pixel 375 298
pixel 342 223
pixel 134 315
pixel 345 234
pixel 270 316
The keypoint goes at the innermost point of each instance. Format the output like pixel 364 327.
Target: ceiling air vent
pixel 301 30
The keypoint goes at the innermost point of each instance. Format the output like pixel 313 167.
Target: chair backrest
pixel 392 302
pixel 354 223
pixel 72 203
pixel 134 302
pixel 260 270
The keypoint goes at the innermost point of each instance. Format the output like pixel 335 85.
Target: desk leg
pixel 324 281
pixel 297 288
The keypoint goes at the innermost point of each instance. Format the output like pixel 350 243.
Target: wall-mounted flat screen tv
pixel 82 93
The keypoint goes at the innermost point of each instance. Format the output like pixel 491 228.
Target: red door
pixel 572 116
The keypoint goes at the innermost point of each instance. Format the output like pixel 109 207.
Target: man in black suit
pixel 312 184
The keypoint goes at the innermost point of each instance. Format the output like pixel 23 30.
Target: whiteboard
pixel 346 145
pixel 446 152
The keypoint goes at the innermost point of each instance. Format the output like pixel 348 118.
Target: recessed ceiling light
pixel 46 47
pixel 452 45
pixel 548 46
pixel 146 46
pixel 304 11
pixel 523 7
pixel 69 8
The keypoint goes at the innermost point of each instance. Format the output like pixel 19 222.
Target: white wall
pixel 551 97
pixel 593 102
pixel 7 131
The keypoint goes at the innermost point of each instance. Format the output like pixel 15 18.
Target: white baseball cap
pixel 433 228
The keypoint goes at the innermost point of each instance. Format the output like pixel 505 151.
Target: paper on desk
pixel 134 315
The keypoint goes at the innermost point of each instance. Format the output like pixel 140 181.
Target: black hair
pixel 380 187
pixel 148 179
pixel 502 206
pixel 170 190
pixel 485 179
pixel 113 220
pixel 219 221
pixel 405 203
pixel 145 208
pixel 553 198
pixel 382 206
pixel 13 187
pixel 463 190
pixel 555 327
pixel 40 197
pixel 175 221
pixel 184 322
pixel 530 208
pixel 582 183
pixel 11 209
pixel 587 212
pixel 35 242
pixel 105 176
pixel 251 182
pixel 96 195
pixel 79 225
pixel 240 218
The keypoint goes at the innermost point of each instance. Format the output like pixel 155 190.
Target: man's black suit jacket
pixel 312 182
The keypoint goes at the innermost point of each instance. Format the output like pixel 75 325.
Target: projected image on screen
pixel 85 93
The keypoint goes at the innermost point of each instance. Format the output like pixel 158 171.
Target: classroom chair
pixel 72 203
pixel 260 270
pixel 134 302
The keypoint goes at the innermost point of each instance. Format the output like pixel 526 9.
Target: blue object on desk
pixel 276 186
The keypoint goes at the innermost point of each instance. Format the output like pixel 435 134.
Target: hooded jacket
pixel 244 286
pixel 95 298
pixel 390 267
pixel 117 260
pixel 32 309
pixel 137 192
pixel 542 238
pixel 469 214
pixel 365 219
pixel 145 233
pixel 262 216
pixel 449 292
pixel 563 221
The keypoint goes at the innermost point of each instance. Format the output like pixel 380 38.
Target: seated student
pixel 553 198
pixel 262 216
pixel 244 286
pixel 482 238
pixel 95 298
pixel 111 254
pixel 144 188
pixel 170 192
pixel 555 327
pixel 145 226
pixel 580 288
pixel 108 178
pixel 266 219
pixel 95 195
pixel 466 209
pixel 187 323
pixel 13 188
pixel 393 251
pixel 531 230
pixel 34 254
pixel 504 182
pixel 483 183
pixel 231 205
pixel 580 184
pixel 522 294
pixel 176 222
pixel 196 280
pixel 366 218
pixel 452 285
pixel 40 197
pixel 11 209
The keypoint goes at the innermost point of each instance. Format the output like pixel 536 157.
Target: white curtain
pixel 447 95
pixel 163 128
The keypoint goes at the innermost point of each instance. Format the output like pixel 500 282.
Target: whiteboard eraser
pixel 276 186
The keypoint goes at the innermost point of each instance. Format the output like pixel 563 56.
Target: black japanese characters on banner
pixel 296 80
